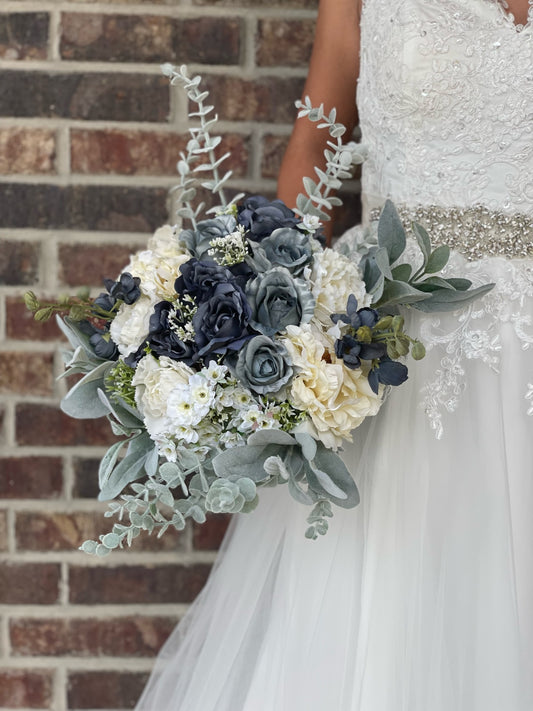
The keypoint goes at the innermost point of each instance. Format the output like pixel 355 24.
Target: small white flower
pixel 231 439
pixel 311 223
pixel 167 448
pixel 251 420
pixel 187 434
pixel 215 372
pixel 202 391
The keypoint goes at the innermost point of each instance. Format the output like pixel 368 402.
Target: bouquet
pixel 239 352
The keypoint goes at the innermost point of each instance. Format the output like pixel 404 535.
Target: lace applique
pixel 445 101
pixel 476 331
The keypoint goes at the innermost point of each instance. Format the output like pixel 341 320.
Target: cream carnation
pixel 155 380
pixel 131 324
pixel 157 273
pixel 336 398
pixel 334 277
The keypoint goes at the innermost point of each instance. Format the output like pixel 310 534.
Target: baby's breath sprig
pixel 340 157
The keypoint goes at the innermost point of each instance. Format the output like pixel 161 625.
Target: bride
pixel 420 599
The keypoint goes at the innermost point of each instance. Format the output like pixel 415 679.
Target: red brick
pixel 20 324
pixel 47 426
pixel 19 262
pixel 26 151
pixel 104 690
pixel 89 95
pixel 85 478
pixel 272 155
pixel 117 637
pixel 127 584
pixel 3 531
pixel 25 689
pixel 150 38
pixel 36 531
pixel 265 99
pixel 66 532
pixel 209 535
pixel 30 478
pixel 284 42
pixel 26 373
pixel 86 264
pixel 82 207
pixel 143 152
pixel 23 35
pixel 29 584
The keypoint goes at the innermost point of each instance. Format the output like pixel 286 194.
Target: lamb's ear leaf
pixel 249 459
pixel 448 300
pixel 391 232
pixel 82 401
pixel 398 292
pixel 329 477
pixel 438 259
pixel 423 240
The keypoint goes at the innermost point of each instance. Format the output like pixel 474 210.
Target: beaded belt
pixel 474 231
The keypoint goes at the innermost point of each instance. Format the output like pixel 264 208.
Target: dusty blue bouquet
pixel 239 352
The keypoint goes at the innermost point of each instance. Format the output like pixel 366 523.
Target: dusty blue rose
pixel 198 241
pixel 278 300
pixel 290 248
pixel 263 365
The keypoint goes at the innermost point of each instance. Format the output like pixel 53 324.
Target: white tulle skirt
pixel 420 599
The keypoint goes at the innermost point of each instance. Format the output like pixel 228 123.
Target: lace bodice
pixel 445 100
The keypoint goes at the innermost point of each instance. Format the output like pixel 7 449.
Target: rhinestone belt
pixel 474 231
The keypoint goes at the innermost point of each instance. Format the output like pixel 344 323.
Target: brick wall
pixel 89 136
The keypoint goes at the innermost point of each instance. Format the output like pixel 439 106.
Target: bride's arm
pixel 332 79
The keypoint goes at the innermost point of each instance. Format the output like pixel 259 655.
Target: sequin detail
pixel 474 231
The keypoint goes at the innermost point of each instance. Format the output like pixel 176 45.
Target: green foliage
pixel 393 283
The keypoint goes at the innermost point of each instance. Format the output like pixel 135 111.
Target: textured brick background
pixel 89 136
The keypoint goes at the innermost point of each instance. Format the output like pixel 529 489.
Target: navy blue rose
pixel 163 338
pixel 289 248
pixel 198 241
pixel 221 322
pixel 261 217
pixel 200 279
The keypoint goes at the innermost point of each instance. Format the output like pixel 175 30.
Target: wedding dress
pixel 421 598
